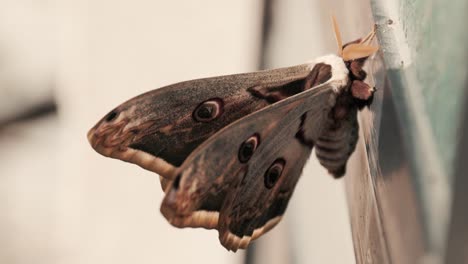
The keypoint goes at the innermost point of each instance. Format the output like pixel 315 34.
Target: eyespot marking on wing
pixel 248 148
pixel 208 110
pixel 273 173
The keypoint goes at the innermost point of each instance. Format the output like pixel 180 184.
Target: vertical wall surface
pixel 412 148
pixel 400 181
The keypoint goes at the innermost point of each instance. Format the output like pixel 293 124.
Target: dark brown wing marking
pixel 319 74
pixel 159 129
pixel 214 189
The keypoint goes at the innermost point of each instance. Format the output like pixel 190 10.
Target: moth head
pixel 358 49
pixel 355 54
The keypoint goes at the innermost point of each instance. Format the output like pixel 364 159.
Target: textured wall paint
pixel 437 42
pixel 424 49
pixel 428 44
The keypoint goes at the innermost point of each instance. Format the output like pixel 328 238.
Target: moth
pixel 229 150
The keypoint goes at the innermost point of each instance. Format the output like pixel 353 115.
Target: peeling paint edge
pixel 391 34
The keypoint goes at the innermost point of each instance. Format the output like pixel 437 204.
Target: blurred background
pixel 66 63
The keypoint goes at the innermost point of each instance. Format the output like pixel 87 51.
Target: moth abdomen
pixel 337 143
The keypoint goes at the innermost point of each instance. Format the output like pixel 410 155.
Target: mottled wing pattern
pixel 158 130
pixel 216 187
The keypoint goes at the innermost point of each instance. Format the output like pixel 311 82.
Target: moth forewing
pixel 159 129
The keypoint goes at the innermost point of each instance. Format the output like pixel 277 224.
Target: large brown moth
pixel 229 150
